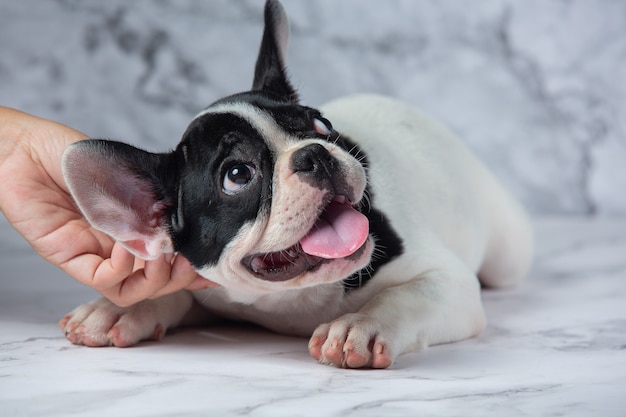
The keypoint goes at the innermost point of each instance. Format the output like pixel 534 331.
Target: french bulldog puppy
pixel 365 225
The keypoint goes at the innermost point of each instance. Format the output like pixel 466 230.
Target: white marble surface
pixel 535 87
pixel 555 347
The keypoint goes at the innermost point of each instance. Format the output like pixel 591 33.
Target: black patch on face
pixel 211 218
pixel 298 121
pixel 215 138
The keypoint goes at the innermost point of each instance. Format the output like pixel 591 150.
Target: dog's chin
pixel 290 263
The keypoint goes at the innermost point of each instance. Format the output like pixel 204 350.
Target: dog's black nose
pixel 313 161
pixel 316 166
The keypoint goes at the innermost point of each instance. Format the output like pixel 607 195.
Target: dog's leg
pixel 438 306
pixel 102 323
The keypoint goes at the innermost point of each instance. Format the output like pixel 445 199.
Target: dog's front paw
pixel 102 323
pixel 353 341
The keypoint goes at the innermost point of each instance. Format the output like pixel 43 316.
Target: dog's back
pixel 425 177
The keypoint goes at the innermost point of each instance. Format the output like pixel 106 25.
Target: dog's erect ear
pixel 270 74
pixel 118 189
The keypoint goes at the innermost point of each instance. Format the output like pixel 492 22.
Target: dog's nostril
pixel 312 158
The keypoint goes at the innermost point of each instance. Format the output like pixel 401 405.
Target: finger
pixel 139 264
pixel 141 284
pixel 100 273
pixel 183 275
pixel 201 283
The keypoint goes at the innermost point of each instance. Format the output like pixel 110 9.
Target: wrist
pixel 39 140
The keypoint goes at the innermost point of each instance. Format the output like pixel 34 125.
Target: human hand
pixel 37 203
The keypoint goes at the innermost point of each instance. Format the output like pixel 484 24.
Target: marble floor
pixel 554 347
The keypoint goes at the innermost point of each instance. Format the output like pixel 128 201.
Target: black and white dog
pixel 371 235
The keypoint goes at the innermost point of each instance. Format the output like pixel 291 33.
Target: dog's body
pixel 370 239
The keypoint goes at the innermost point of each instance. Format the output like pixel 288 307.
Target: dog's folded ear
pixel 270 74
pixel 119 190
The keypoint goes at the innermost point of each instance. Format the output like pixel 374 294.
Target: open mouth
pixel 339 232
pixel 282 265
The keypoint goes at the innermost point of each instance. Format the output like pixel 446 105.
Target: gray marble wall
pixel 537 87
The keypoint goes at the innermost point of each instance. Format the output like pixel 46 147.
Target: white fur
pixel 294 210
pixel 455 221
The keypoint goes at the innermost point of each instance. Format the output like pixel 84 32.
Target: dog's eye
pixel 237 177
pixel 322 126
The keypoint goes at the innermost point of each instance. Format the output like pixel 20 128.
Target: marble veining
pixel 556 346
pixel 534 87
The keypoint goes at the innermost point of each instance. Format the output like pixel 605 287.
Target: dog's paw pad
pixel 63 322
pixel 120 337
pixel 354 357
pixel 159 332
pixel 93 340
pixel 315 347
pixel 333 352
pixel 380 356
pixel 101 323
pixel 352 341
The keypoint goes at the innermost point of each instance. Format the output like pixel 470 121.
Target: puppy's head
pixel 260 193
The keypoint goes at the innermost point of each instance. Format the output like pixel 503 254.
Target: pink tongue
pixel 338 233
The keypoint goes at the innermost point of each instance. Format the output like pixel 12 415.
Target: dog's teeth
pixel 340 199
pixel 257 264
